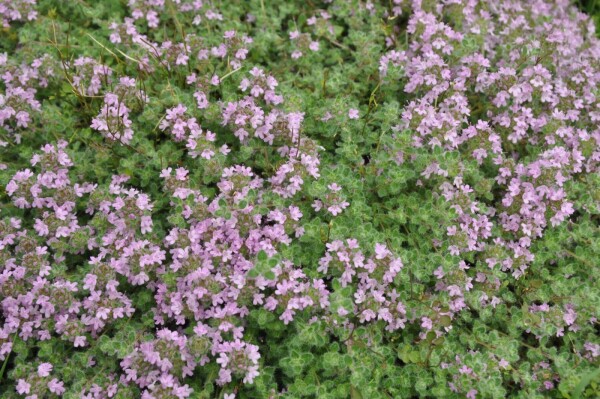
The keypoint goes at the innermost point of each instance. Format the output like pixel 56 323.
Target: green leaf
pixel 414 356
pixel 262 256
pixel 269 275
pixel 585 381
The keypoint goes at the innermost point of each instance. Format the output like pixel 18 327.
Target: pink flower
pixel 353 113
pixel 334 187
pixel 570 316
pixel 56 386
pixel 336 209
pixel 44 369
pixel 381 251
pixel 23 387
pixel 426 323
pixel 80 341
pixel 342 311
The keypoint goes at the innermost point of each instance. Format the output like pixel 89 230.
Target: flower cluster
pixel 333 202
pixel 113 119
pixel 261 85
pixel 18 103
pixel 198 142
pixel 225 261
pixel 18 10
pixel 39 384
pixel 443 113
pixel 491 102
pixel 302 42
pixel 88 75
pixel 373 296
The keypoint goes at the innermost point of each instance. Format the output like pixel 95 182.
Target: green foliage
pixel 389 202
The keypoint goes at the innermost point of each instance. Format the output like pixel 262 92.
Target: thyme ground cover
pixel 299 199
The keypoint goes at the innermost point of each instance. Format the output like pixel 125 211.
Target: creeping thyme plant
pixel 299 199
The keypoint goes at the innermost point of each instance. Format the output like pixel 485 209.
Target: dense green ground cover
pixel 272 198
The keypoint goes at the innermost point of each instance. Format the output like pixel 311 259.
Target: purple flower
pixel 23 387
pixel 80 341
pixel 426 323
pixel 56 386
pixel 569 316
pixel 44 369
pixel 381 251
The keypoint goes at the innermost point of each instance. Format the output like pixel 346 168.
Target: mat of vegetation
pixel 299 199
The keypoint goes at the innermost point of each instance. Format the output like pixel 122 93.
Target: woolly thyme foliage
pixel 331 199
